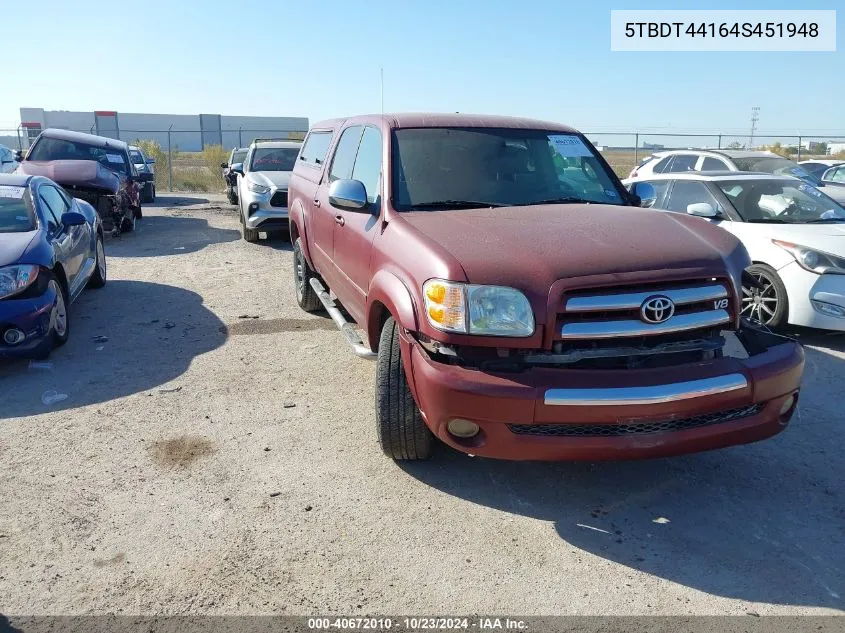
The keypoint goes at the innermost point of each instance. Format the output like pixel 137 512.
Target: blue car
pixel 51 248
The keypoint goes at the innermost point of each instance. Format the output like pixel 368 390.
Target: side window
pixel 344 153
pixel 713 164
pixel 54 206
pixel 660 187
pixel 368 163
pixel 687 192
pixel 315 148
pixel 663 165
pixel 683 162
pixel 837 175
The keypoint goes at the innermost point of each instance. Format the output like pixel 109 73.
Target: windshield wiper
pixel 821 220
pixel 453 204
pixel 560 200
pixel 768 221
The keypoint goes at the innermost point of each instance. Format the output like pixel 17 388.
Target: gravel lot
pixel 218 455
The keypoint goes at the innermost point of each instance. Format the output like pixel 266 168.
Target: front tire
pixel 302 275
pixel 402 433
pixel 98 279
pixel 769 304
pixel 231 196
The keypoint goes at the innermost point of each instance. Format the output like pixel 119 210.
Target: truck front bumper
pixel 571 414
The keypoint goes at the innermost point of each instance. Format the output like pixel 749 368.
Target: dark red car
pixel 519 303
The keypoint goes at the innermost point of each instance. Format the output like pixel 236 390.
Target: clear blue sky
pixel 549 59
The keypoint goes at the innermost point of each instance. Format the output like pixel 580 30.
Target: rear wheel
pixel 767 304
pixel 302 275
pixel 231 196
pixel 402 433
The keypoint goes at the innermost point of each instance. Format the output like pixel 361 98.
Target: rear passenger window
pixel 663 165
pixel 368 163
pixel 315 148
pixel 683 162
pixel 713 164
pixel 344 154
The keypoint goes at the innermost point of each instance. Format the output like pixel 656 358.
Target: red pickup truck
pixel 518 301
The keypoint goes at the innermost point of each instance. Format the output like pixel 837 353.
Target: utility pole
pixel 381 86
pixel 755 116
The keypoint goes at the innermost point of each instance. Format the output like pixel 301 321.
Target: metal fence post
pixel 636 148
pixel 20 143
pixel 799 148
pixel 719 144
pixel 240 142
pixel 169 162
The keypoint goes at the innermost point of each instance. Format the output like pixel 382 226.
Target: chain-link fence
pixel 180 164
pixel 176 169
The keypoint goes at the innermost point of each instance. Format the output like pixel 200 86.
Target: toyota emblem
pixel 657 309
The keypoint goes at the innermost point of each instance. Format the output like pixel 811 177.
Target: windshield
pixel 15 213
pixel 136 157
pixel 441 168
pixel 60 149
pixel 238 156
pixel 815 169
pixel 775 165
pixel 779 201
pixel 274 159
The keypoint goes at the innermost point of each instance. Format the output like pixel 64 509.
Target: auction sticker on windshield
pixel 15 193
pixel 569 145
pixel 114 158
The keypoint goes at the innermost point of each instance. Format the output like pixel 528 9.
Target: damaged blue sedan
pixel 51 249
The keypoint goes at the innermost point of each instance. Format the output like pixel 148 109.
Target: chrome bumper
pixel 652 394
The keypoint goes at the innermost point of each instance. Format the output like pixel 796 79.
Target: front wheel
pixel 767 304
pixel 98 278
pixel 231 196
pixel 402 433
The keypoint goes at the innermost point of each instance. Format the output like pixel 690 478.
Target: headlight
pixel 16 279
pixel 256 188
pixel 815 261
pixel 480 310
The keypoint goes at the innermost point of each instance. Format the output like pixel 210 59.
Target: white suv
pixel 263 186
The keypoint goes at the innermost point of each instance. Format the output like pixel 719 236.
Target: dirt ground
pixel 217 454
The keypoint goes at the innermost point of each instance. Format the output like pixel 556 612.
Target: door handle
pixel 339 219
pixel 316 202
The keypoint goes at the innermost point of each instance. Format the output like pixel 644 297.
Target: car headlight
pixel 482 310
pixel 815 261
pixel 16 279
pixel 256 188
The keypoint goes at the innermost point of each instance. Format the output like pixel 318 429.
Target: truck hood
pixel 532 247
pixel 79 173
pixel 278 179
pixel 13 246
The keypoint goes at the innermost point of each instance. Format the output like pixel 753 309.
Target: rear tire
pixel 230 195
pixel 402 433
pixel 60 318
pixel 302 276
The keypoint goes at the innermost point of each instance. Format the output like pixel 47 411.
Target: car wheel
pixel 402 433
pixel 249 235
pixel 302 276
pixel 127 225
pixel 98 279
pixel 767 304
pixel 60 317
pixel 230 195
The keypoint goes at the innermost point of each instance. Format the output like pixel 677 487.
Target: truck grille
pixel 634 428
pixel 612 313
pixel 279 199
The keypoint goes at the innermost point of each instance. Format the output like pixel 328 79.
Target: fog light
pixel 13 336
pixel 462 428
pixel 829 309
pixel 787 405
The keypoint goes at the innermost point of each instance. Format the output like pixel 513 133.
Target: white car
pixel 687 160
pixel 263 186
pixel 794 233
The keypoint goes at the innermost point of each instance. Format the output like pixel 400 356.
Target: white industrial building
pixel 186 132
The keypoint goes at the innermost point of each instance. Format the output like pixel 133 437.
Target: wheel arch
pixel 388 296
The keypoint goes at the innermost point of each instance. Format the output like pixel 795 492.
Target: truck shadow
pixel 762 522
pixel 168 235
pixel 154 332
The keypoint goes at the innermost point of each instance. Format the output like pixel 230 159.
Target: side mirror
pixel 150 161
pixel 224 165
pixel 702 210
pixel 348 194
pixel 646 192
pixel 72 218
pixel 238 168
pixel 18 155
